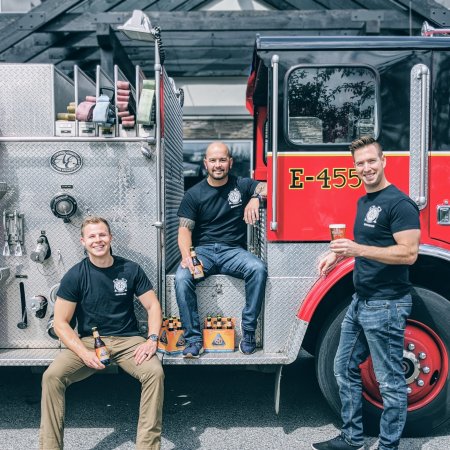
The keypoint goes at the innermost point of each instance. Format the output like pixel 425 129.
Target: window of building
pixel 331 105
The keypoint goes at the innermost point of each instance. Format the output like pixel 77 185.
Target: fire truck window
pixel 331 105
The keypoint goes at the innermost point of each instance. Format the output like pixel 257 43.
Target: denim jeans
pixel 377 327
pixel 227 260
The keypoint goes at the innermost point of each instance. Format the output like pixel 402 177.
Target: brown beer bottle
pixel 219 322
pixel 208 323
pixel 170 324
pixel 198 266
pixel 101 350
pixel 229 323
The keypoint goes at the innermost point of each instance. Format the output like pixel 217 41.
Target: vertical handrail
pixel 158 224
pixel 116 79
pixel 275 61
pixel 138 94
pixel 76 82
pixel 422 198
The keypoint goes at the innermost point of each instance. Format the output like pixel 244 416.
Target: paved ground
pixel 205 408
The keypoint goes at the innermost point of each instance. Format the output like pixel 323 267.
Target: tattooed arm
pixel 261 189
pixel 185 241
pixel 251 212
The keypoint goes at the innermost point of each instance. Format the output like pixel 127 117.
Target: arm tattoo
pixel 187 223
pixel 259 188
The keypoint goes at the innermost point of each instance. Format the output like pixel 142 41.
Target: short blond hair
pixel 94 220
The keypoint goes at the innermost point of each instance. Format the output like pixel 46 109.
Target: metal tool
pixel 38 304
pixel 6 251
pixel 17 234
pixel 24 323
pixel 42 250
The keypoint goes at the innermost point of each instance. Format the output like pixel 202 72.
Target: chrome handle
pixel 159 223
pixel 275 62
pixel 424 76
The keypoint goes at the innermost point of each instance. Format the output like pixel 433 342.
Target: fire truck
pixel 309 97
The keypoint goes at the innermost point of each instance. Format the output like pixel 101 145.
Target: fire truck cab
pixel 310 97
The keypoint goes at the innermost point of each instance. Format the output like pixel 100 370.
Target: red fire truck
pixel 310 97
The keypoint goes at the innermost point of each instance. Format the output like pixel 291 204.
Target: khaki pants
pixel 68 368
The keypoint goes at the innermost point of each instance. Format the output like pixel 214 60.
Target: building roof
pixel 197 42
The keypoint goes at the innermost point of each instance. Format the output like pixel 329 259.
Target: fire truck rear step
pixel 28 356
pixel 237 358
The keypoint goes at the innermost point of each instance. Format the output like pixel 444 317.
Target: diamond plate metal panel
pixel 173 171
pixel 235 358
pixel 257 242
pixel 420 111
pixel 27 99
pixel 294 259
pixel 283 299
pixel 28 357
pixel 218 294
pixel 116 181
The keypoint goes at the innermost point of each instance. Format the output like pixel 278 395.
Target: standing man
pixel 387 233
pixel 213 216
pixel 100 291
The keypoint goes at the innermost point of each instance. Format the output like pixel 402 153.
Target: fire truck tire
pixel 428 322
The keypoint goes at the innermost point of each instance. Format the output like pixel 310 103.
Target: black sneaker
pixel 337 443
pixel 193 350
pixel 247 346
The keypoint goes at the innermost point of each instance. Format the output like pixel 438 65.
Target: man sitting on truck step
pixel 213 216
pixel 100 291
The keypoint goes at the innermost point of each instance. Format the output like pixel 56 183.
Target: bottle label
pixel 102 353
pixel 198 272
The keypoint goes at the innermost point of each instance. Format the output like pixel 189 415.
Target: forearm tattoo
pixel 187 223
pixel 259 188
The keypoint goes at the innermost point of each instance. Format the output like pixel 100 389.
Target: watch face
pixel 153 337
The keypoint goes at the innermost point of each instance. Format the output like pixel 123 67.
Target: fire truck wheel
pixel 427 347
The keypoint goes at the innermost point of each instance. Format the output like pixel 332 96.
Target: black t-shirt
pixel 380 215
pixel 218 212
pixel 105 296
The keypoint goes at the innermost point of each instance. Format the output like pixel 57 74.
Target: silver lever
pixel 18 248
pixel 6 251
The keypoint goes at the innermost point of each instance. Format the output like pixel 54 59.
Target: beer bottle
pixel 219 322
pixel 198 266
pixel 101 350
pixel 171 324
pixel 208 323
pixel 229 323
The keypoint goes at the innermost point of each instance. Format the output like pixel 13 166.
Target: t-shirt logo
pixel 372 216
pixel 120 286
pixel 234 198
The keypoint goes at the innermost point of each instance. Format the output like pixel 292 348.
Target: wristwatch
pixel 153 337
pixel 258 196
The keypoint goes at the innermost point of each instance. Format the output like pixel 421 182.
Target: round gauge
pixel 63 206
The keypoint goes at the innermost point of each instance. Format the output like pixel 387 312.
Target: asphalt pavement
pixel 214 408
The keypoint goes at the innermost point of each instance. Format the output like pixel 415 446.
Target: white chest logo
pixel 234 197
pixel 372 214
pixel 120 286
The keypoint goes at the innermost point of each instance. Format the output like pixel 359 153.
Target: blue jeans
pixel 377 327
pixel 227 260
